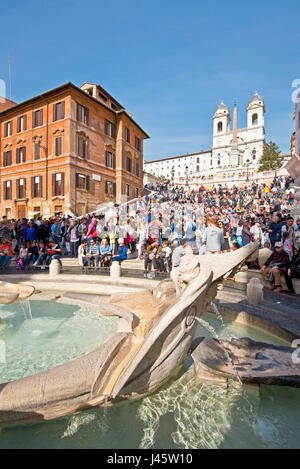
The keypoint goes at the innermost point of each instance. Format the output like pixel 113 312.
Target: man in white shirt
pixel 213 237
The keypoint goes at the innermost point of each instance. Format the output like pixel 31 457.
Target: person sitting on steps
pixel 275 266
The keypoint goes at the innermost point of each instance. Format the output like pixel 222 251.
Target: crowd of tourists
pixel 159 227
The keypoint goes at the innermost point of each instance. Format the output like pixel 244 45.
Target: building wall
pixel 80 201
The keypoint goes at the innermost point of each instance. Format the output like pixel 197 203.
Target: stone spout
pixel 10 292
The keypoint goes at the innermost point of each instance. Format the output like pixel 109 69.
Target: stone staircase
pixel 130 268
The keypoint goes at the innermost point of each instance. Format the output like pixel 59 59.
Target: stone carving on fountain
pixel 255 362
pixel 156 330
pixel 10 292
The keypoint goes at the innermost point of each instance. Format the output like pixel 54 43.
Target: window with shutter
pixel 62 183
pixel 127 135
pixel 110 129
pixel 128 164
pixel 59 111
pixel 36 186
pixel 7 158
pixel 58 184
pixel 21 155
pixel 81 181
pixel 37 118
pixel 21 124
pixel 8 129
pixel 109 159
pixel 7 190
pixel 53 185
pixel 21 188
pixel 82 114
pixel 138 143
pixel 82 147
pixel 58 146
pixel 37 151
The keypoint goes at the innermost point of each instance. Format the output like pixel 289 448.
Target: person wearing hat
pixel 121 251
pixel 275 266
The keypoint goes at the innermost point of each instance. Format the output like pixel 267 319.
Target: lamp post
pixel 275 178
pixel 173 175
pixel 187 175
pixel 247 163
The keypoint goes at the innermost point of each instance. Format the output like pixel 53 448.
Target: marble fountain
pixel 156 329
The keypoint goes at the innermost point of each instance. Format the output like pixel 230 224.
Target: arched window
pixel 254 155
pixel 254 119
pixel 219 161
pixel 220 126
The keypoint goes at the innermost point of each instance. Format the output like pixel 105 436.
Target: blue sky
pixel 168 62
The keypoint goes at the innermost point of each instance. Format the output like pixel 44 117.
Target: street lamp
pixel 173 175
pixel 187 175
pixel 247 163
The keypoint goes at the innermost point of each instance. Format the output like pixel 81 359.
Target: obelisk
pixel 234 154
pixel 234 138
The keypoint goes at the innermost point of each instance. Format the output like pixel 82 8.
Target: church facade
pixel 233 158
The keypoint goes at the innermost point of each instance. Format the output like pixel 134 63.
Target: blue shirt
pixel 55 230
pixel 122 252
pixel 104 249
pixel 30 234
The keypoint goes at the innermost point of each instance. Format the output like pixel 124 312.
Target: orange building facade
pixel 68 149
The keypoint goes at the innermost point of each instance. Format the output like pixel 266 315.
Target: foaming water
pixel 212 330
pixel 26 308
pixel 77 421
pixel 218 314
pixel 202 413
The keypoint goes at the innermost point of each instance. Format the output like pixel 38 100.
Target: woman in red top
pixel 6 252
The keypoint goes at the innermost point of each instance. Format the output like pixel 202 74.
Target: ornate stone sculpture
pixel 155 333
pixel 10 292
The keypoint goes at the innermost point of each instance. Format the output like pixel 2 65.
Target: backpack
pixel 20 264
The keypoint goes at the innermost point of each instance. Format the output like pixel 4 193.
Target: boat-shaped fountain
pixel 155 332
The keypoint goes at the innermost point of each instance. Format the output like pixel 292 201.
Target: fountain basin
pixel 153 341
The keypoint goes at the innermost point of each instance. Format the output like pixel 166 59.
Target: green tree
pixel 270 159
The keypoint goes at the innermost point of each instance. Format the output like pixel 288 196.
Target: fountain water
pixel 218 314
pixel 215 335
pixel 26 308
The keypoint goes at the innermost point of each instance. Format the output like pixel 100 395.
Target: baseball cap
pixel 278 244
